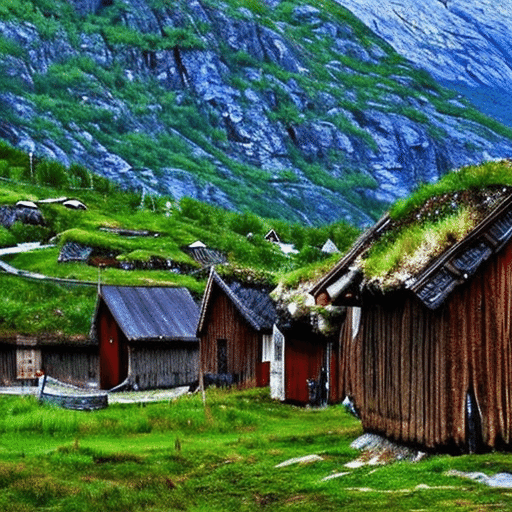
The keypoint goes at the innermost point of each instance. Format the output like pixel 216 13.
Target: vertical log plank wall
pixel 409 369
pixel 156 366
pixel 243 343
pixel 77 365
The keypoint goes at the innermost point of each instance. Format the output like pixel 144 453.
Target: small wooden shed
pixel 235 331
pixel 429 362
pixel 147 337
pixel 73 360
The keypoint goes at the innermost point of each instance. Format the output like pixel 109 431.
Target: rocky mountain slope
pixel 464 45
pixel 279 107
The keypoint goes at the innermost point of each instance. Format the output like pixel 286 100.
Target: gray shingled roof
pixel 253 304
pixel 152 313
pixel 206 256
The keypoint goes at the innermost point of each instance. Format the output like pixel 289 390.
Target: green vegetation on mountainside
pixel 78 95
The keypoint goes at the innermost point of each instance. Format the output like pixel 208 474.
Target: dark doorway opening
pixel 222 356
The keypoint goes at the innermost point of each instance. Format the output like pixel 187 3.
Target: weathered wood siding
pixel 336 393
pixel 7 365
pixel 73 365
pixel 154 366
pixel 243 343
pixel 409 369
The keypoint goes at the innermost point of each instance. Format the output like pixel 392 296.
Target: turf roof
pixel 405 243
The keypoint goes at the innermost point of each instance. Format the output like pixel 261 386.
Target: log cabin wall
pixel 336 392
pixel 71 364
pixel 243 343
pixel 158 366
pixel 409 369
pixel 75 365
pixel 7 365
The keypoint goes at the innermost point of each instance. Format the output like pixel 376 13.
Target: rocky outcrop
pixel 464 45
pixel 295 114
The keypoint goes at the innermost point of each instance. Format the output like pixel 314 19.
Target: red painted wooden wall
pixel 113 360
pixel 303 361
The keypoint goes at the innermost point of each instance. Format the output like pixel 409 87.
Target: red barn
pixel 428 361
pixel 147 337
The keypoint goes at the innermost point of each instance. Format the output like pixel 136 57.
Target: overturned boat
pixel 65 395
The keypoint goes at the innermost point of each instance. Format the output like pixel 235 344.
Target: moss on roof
pixel 433 219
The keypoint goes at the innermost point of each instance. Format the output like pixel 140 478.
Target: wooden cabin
pixel 428 363
pixel 147 337
pixel 245 343
pixel 23 359
pixel 273 237
pixel 235 331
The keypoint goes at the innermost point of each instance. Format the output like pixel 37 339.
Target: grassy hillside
pixel 181 455
pixel 29 306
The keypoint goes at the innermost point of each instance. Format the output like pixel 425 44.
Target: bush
pixel 246 223
pixel 79 176
pixel 52 174
pixel 7 239
pixel 310 255
pixel 29 233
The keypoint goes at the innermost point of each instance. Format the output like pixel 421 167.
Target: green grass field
pixel 181 455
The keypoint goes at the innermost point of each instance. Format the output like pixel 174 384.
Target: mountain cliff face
pixel 281 108
pixel 464 45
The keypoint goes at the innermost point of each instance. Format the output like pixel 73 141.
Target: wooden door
pixel 112 365
pixel 28 363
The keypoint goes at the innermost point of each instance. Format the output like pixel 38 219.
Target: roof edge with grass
pixel 435 217
pixel 419 230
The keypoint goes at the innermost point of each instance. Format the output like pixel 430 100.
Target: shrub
pixel 247 223
pixel 29 233
pixel 7 239
pixel 182 38
pixel 52 174
pixel 310 255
